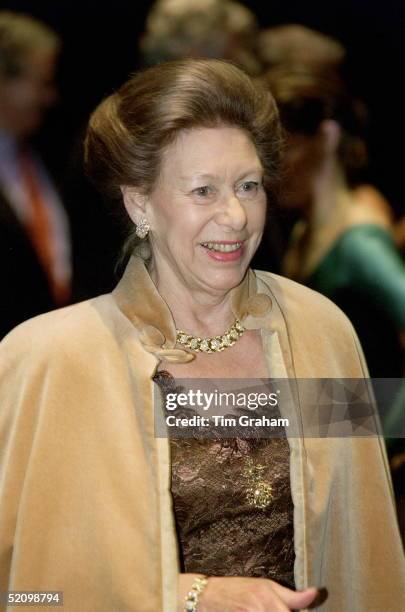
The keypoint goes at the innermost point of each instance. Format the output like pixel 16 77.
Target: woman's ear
pixel 331 135
pixel 134 202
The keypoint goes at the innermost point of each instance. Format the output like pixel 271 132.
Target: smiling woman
pixel 206 212
pixel 96 505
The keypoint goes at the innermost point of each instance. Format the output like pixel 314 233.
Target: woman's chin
pixel 224 279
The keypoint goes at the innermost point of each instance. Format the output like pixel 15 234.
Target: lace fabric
pixel 220 532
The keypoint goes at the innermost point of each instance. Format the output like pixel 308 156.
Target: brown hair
pixel 19 36
pixel 307 97
pixel 295 46
pixel 128 131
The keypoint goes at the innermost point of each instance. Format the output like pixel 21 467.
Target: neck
pixel 195 311
pixel 331 197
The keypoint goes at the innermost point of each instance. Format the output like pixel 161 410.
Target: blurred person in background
pixel 298 48
pixel 176 29
pixel 34 230
pixel 343 245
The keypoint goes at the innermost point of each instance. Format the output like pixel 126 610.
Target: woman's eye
pixel 202 191
pixel 249 187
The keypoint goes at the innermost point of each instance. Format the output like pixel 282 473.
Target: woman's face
pixel 207 210
pixel 26 97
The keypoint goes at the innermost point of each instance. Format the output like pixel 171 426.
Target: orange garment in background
pixel 40 229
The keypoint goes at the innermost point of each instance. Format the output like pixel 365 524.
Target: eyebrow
pixel 215 176
pixel 199 176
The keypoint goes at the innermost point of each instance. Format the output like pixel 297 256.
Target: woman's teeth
pixel 223 248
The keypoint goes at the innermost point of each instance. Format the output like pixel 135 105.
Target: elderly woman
pixel 96 506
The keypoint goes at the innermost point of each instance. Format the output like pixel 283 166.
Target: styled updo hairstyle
pixel 129 130
pixel 305 97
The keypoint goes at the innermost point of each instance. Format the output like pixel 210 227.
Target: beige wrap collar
pixel 150 314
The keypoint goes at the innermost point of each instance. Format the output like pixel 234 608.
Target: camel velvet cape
pixel 85 502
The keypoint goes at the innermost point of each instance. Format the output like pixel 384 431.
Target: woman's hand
pixel 237 594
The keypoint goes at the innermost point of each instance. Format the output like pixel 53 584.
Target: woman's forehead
pixel 207 152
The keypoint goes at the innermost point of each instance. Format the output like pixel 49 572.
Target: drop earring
pixel 142 228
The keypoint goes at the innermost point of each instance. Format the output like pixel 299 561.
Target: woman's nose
pixel 232 213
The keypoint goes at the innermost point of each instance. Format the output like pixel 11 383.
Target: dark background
pixel 100 50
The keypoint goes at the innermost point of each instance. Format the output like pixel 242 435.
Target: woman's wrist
pixel 191 588
pixel 193 596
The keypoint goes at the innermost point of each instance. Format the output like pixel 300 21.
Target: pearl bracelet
pixel 192 598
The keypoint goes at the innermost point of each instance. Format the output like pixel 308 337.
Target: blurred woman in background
pixel 343 245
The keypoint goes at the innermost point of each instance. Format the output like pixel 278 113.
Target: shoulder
pixel 356 233
pixel 321 336
pixel 362 244
pixel 76 331
pixel 371 207
pixel 296 299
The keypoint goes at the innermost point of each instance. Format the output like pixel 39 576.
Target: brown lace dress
pixel 221 530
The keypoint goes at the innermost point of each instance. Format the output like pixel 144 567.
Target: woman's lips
pixel 225 250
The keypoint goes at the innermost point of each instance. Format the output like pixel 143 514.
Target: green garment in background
pixel 364 274
pixel 366 259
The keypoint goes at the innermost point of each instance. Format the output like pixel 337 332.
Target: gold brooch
pixel 259 493
pixel 211 345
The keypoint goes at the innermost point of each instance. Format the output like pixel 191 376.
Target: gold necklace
pixel 216 344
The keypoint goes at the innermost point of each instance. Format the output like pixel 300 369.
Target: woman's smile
pixel 224 250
